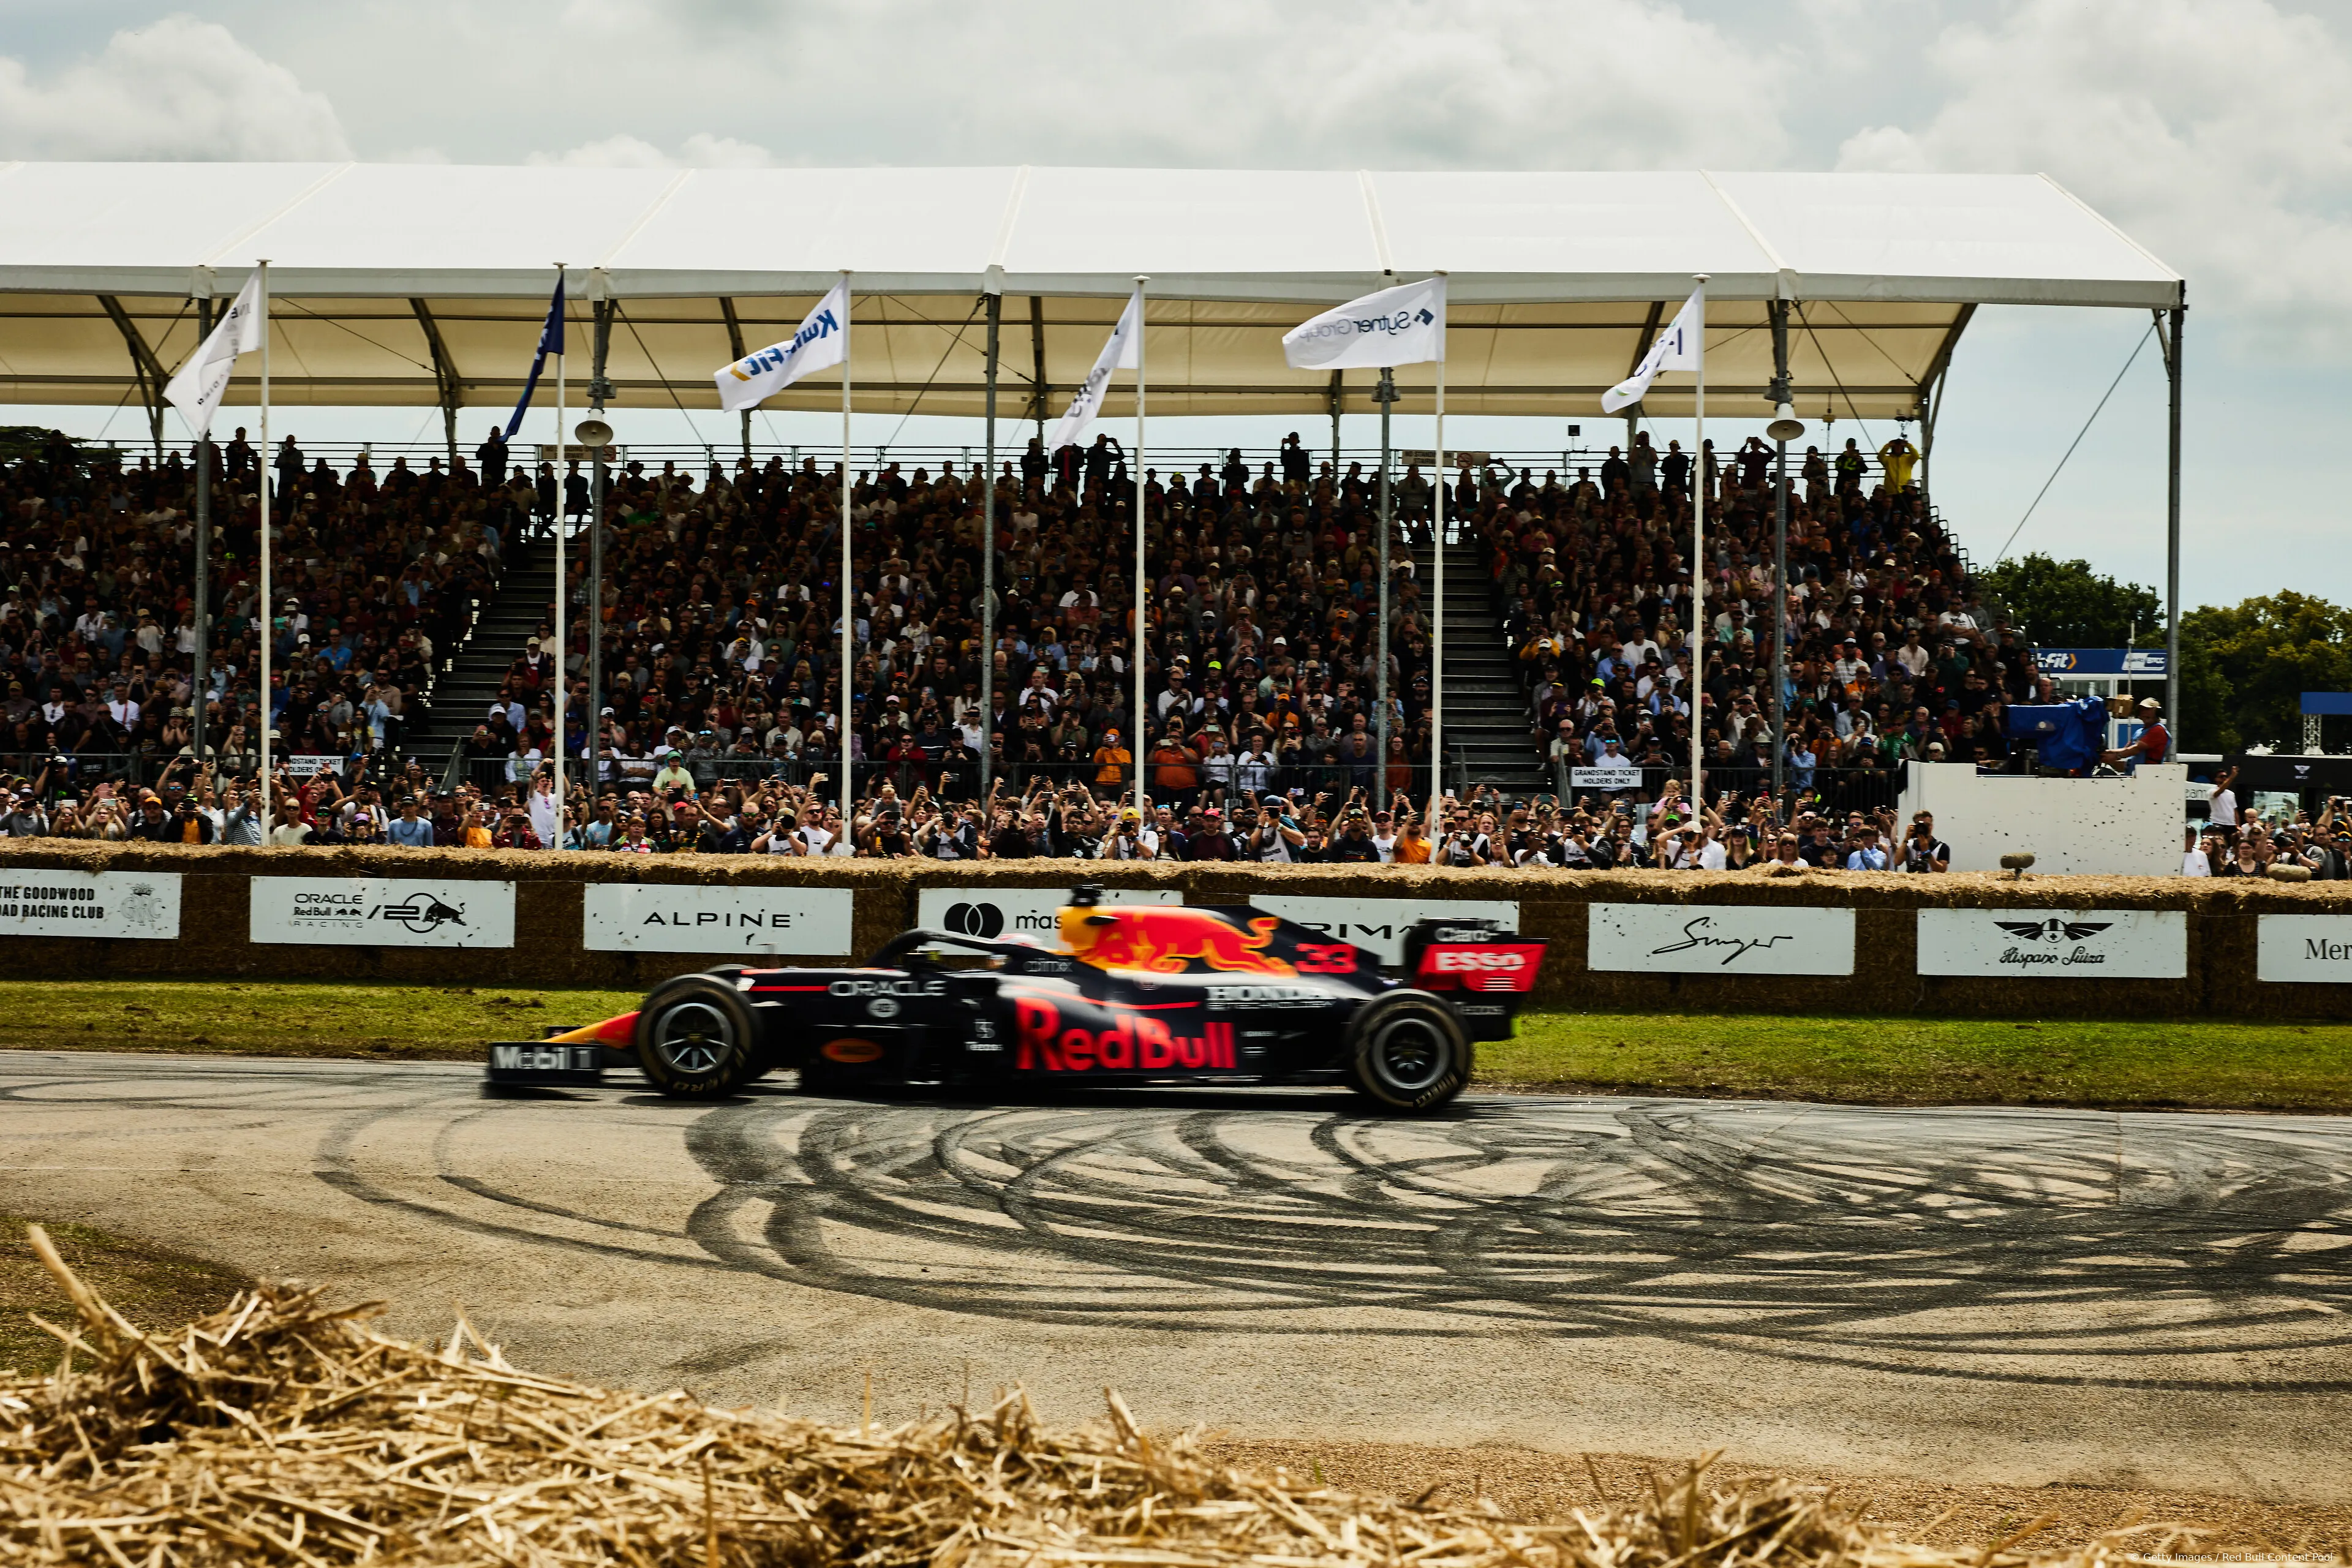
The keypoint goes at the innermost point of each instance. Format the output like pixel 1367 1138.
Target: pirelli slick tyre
pixel 697 1038
pixel 1407 1052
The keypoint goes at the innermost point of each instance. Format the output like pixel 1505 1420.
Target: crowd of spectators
pixel 720 721
pixel 373 576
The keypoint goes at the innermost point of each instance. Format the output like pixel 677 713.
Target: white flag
pixel 1403 325
pixel 1120 353
pixel 820 344
pixel 1677 348
pixel 197 390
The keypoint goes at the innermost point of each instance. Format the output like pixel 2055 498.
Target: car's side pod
pixel 1484 969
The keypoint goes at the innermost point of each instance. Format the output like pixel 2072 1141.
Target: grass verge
pixel 282 1019
pixel 2203 1064
pixel 2200 1064
pixel 154 1287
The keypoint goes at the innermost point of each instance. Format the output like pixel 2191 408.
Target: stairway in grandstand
pixel 525 596
pixel 1488 730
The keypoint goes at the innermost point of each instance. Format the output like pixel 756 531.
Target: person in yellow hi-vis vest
pixel 1897 457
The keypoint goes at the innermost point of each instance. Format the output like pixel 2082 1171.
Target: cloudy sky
pixel 2218 132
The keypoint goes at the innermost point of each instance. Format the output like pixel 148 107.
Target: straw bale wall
pixel 2221 979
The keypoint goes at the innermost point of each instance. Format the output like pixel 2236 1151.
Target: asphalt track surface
pixel 2023 1297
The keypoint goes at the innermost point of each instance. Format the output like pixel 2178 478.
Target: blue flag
pixel 550 342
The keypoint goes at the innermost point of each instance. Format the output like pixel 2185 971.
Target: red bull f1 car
pixel 1133 993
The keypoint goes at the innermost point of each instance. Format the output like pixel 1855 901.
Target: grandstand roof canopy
pixel 422 284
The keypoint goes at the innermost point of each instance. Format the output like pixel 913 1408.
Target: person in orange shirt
pixel 1412 846
pixel 1111 759
pixel 1175 766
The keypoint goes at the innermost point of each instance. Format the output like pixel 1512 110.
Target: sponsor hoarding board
pixel 1015 911
pixel 381 912
pixel 655 917
pixel 1720 938
pixel 2303 949
pixel 137 904
pixel 2128 945
pixel 1378 925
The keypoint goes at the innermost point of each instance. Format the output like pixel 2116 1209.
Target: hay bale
pixel 282 1431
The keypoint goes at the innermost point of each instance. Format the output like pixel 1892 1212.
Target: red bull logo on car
pixel 1169 940
pixel 1057 1036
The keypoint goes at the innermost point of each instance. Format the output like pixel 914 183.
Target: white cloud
pixel 700 151
pixel 177 88
pixel 2218 132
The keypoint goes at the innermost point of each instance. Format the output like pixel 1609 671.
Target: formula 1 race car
pixel 1134 993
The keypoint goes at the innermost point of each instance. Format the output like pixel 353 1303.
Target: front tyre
pixel 697 1038
pixel 1407 1052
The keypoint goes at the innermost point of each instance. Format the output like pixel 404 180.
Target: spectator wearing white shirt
pixel 2194 861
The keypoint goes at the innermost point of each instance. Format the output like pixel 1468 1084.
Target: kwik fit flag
pixel 1118 354
pixel 818 345
pixel 550 342
pixel 1677 348
pixel 197 392
pixel 1403 325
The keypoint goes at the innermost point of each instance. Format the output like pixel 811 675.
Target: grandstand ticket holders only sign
pixel 1719 939
pixel 2132 944
pixel 2303 949
pixel 135 904
pixel 1378 925
pixel 655 917
pixel 381 912
pixel 1016 911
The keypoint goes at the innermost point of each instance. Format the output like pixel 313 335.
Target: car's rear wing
pixel 1487 969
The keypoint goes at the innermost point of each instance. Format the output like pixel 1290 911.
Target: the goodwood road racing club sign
pixel 39 902
pixel 1720 938
pixel 381 912
pixel 657 917
pixel 2132 944
pixel 994 912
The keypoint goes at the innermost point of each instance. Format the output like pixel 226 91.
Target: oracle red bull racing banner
pixel 381 912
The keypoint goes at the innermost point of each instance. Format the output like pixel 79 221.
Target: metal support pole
pixel 1698 634
pixel 1781 398
pixel 988 557
pixel 599 389
pixel 848 594
pixel 201 663
pixel 268 618
pixel 563 671
pixel 2172 529
pixel 1142 799
pixel 1386 396
pixel 1338 395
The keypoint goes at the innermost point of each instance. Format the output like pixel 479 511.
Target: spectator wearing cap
pixel 24 818
pixel 1867 856
pixel 409 830
pixel 2154 743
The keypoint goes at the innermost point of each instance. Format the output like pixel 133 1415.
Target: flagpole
pixel 1437 615
pixel 1698 565
pixel 562 584
pixel 268 619
pixel 848 605
pixel 988 557
pixel 1137 651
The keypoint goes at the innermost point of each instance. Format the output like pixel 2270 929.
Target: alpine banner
pixel 821 343
pixel 1403 325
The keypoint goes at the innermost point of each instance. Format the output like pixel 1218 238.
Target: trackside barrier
pixel 1969 945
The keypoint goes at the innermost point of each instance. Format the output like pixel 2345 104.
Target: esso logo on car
pixel 1475 960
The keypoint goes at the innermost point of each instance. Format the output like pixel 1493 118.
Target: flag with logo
pixel 550 342
pixel 1403 325
pixel 1679 347
pixel 197 390
pixel 1121 352
pixel 821 343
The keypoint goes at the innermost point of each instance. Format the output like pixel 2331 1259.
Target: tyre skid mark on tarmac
pixel 1982 1246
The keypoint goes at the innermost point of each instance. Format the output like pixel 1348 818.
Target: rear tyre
pixel 1407 1052
pixel 697 1038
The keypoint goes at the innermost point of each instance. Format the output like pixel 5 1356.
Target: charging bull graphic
pixel 1169 941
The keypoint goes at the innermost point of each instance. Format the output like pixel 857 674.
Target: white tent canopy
pixel 425 284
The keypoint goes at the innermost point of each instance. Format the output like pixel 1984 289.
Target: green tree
pixel 2066 603
pixel 2244 670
